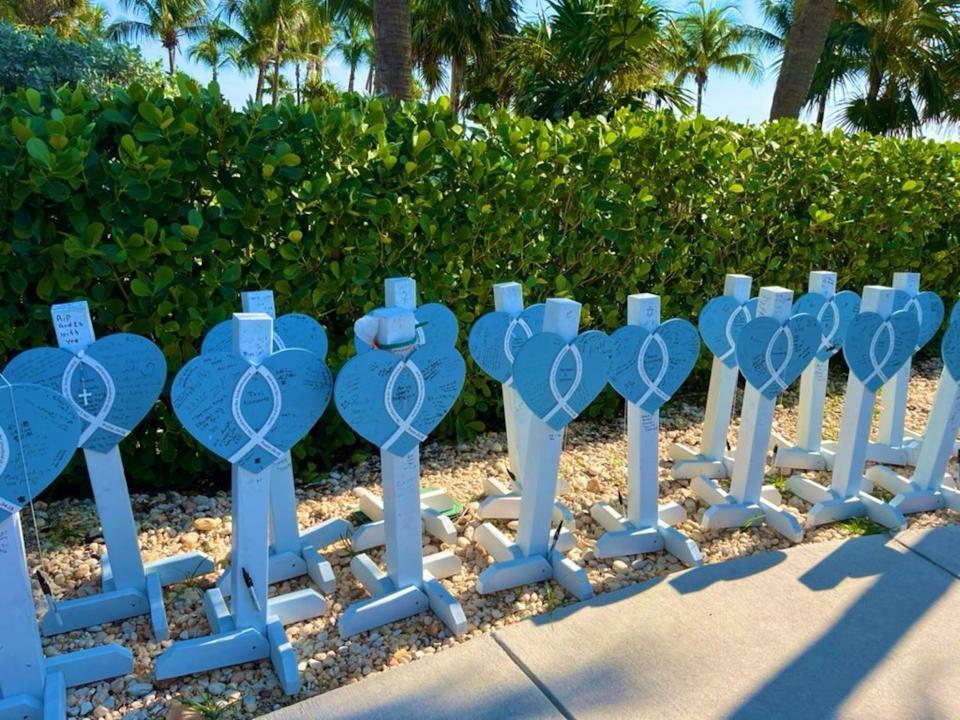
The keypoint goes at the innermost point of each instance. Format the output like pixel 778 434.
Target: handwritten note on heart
pixel 38 436
pixel 251 415
pixel 436 325
pixel 558 380
pixel 928 308
pixel 293 330
pixel 396 402
pixel 950 350
pixel 772 355
pixel 721 321
pixel 111 385
pixel 496 337
pixel 875 349
pixel 649 367
pixel 834 315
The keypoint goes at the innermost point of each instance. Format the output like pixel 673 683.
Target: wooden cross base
pixel 503 503
pixel 624 538
pixel 433 504
pixel 726 511
pixel 233 647
pixel 390 603
pixel 906 453
pixel 513 568
pixel 82 667
pixel 289 608
pixel 689 464
pixel 285 564
pixel 830 506
pixel 794 457
pixel 911 497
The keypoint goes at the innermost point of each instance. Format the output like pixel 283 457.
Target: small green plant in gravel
pixel 209 707
pixel 861 526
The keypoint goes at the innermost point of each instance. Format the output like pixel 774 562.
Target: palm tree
pixel 392 48
pixel 354 44
pixel 214 48
pixel 707 37
pixel 801 54
pixel 165 20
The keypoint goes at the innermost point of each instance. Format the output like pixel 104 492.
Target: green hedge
pixel 160 210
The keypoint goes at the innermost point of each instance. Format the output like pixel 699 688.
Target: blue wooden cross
pixel 292 553
pixel 111 384
pixel 394 393
pixel 558 373
pixel 650 362
pixel 249 406
pixel 39 432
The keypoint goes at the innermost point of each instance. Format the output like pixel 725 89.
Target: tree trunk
pixel 172 59
pixel 801 53
pixel 699 95
pixel 456 81
pixel 353 72
pixel 391 30
pixel 296 74
pixel 276 82
pixel 370 79
pixel 214 72
pixel 261 73
pixel 821 109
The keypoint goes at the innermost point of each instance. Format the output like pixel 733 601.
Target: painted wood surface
pixel 720 323
pixel 876 347
pixel 495 339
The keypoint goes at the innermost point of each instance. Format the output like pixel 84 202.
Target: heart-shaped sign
pixel 772 355
pixel 648 367
pixel 496 337
pixel 112 384
pixel 950 350
pixel 557 380
pixel 395 402
pixel 928 308
pixel 38 436
pixel 293 330
pixel 875 349
pixel 436 325
pixel 955 313
pixel 251 415
pixel 834 315
pixel 721 321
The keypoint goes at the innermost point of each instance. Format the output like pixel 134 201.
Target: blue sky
pixel 732 97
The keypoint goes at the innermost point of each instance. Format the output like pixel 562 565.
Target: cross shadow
pixel 817 682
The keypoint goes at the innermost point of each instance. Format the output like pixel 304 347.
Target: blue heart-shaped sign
pixel 955 313
pixel 496 337
pixel 875 349
pixel 293 330
pixel 558 380
pixel 112 384
pixel 772 355
pixel 436 325
pixel 834 315
pixel 721 321
pixel 395 402
pixel 38 436
pixel 950 350
pixel 251 415
pixel 928 308
pixel 648 367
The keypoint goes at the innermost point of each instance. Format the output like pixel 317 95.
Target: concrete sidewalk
pixel 868 628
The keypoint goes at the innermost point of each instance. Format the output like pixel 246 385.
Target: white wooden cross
pixel 713 460
pixel 292 552
pixel 927 490
pixel 31 685
pixel 502 502
pixel 130 587
pixel 533 557
pixel 746 503
pixel 402 293
pixel 807 454
pixel 410 585
pixel 895 445
pixel 251 628
pixel 845 497
pixel 648 525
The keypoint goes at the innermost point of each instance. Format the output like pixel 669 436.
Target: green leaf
pixel 37 149
pixel 162 278
pixel 140 288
